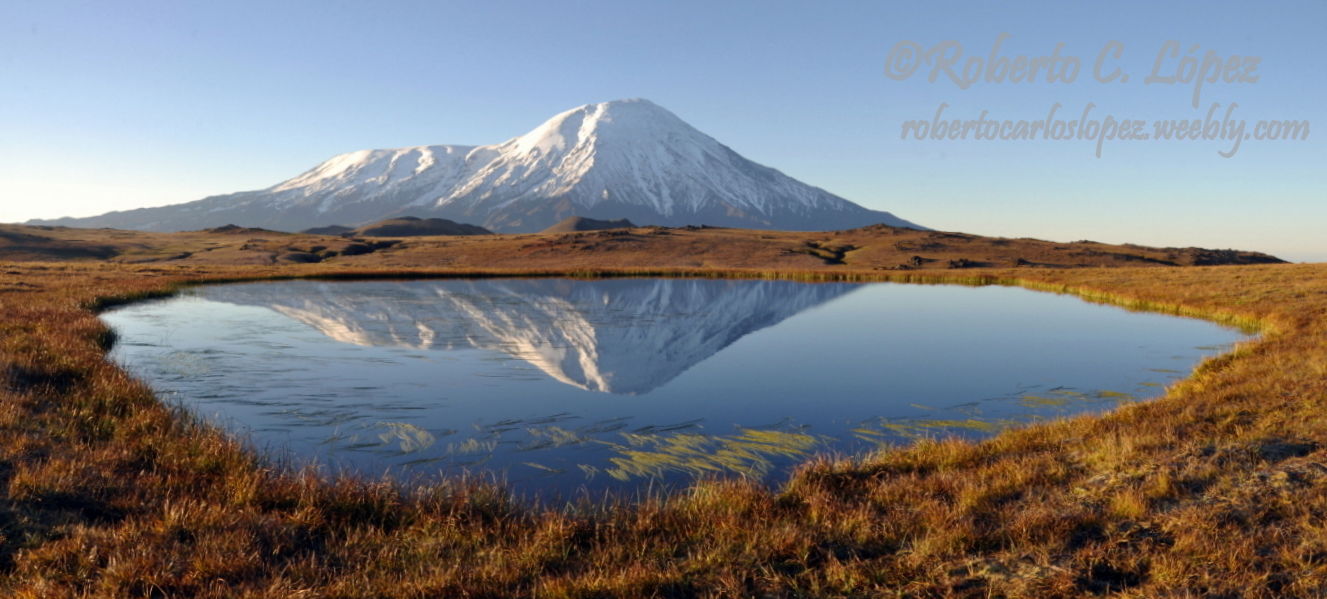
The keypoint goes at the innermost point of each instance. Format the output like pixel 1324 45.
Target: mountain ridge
pixel 625 159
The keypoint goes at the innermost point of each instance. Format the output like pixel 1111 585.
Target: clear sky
pixel 114 105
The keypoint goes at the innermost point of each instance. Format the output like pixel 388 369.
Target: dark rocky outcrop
pixel 572 224
pixel 409 226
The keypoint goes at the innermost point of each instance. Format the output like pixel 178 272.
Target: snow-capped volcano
pixel 623 159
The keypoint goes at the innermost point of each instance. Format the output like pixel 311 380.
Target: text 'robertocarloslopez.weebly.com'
pixel 1218 123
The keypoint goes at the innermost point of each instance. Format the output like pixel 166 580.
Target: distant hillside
pixel 861 249
pixel 22 244
pixel 238 230
pixel 409 226
pixel 328 230
pixel 572 224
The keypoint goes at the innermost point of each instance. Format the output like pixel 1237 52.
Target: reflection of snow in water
pixel 411 437
pixel 621 336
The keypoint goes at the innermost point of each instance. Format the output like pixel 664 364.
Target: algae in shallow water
pixel 748 453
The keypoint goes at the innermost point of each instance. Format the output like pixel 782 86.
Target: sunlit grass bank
pixel 1216 489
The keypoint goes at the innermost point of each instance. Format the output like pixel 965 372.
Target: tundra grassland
pixel 1217 488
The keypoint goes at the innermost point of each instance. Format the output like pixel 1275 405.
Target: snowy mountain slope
pixel 623 159
pixel 625 336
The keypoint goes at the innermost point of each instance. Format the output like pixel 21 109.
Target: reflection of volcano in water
pixel 614 335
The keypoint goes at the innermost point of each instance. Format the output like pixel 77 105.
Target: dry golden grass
pixel 1217 489
pixel 868 248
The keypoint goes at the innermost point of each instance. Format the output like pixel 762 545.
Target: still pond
pixel 568 386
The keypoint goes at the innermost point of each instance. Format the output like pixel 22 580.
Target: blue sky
pixel 108 106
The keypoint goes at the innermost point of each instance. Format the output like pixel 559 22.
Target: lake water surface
pixel 560 386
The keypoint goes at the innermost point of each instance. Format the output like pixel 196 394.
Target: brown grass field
pixel 1216 489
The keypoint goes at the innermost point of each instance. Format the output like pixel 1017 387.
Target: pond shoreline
pixel 96 461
